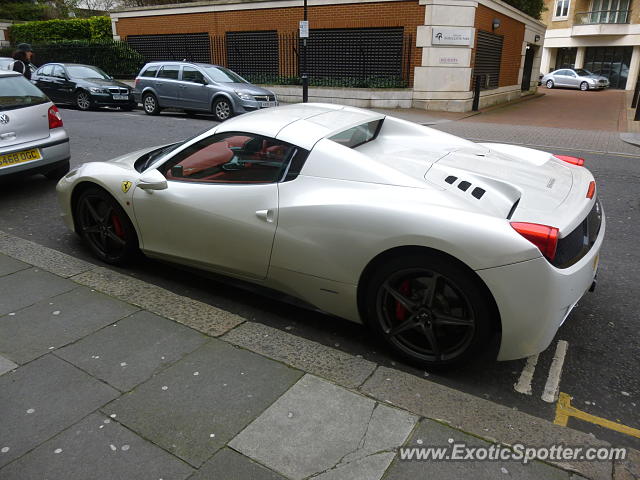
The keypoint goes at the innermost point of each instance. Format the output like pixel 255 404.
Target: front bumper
pixel 534 298
pixel 54 150
pixel 107 100
pixel 244 106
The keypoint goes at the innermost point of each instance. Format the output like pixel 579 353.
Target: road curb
pixel 479 417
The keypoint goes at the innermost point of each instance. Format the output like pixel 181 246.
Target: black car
pixel 84 86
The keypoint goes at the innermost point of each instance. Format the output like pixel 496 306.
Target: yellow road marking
pixel 564 410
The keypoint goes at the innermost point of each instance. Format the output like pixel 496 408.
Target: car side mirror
pixel 152 180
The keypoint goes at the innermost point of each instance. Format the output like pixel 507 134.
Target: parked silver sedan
pixel 32 137
pixel 198 87
pixel 575 78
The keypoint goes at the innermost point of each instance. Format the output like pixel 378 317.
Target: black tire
pixel 427 329
pixel 222 109
pixel 105 227
pixel 83 100
pixel 150 104
pixel 549 84
pixel 58 172
pixel 584 86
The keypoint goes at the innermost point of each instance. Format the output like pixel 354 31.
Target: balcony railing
pixel 597 17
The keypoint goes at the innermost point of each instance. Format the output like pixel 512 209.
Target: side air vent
pixel 478 192
pixel 464 185
pixel 450 179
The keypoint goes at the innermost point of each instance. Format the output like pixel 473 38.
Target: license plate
pixel 121 97
pixel 267 104
pixel 19 157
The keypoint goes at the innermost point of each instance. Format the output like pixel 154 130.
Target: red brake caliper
pixel 401 312
pixel 117 226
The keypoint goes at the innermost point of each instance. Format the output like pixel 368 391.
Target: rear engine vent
pixel 450 179
pixel 464 185
pixel 478 192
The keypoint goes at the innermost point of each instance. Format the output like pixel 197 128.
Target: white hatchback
pixel 32 137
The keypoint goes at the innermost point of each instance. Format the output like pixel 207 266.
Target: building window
pixel 561 12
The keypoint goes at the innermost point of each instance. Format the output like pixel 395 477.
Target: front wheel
pixel 222 109
pixel 430 310
pixel 150 104
pixel 83 100
pixel 105 227
pixel 549 83
pixel 584 86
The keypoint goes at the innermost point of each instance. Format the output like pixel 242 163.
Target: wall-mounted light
pixel 536 39
pixel 495 24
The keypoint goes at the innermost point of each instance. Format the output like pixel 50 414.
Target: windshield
pixel 83 71
pixel 223 75
pixel 582 72
pixel 17 91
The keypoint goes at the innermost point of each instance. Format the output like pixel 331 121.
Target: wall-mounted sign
pixel 452 36
pixel 448 60
pixel 304 29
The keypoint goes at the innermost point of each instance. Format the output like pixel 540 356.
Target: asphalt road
pixel 603 356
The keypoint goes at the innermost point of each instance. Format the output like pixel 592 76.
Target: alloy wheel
pixel 101 225
pixel 425 314
pixel 83 101
pixel 549 84
pixel 223 110
pixel 149 104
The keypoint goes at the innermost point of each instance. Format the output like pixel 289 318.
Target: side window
pixel 46 70
pixel 58 72
pixel 358 135
pixel 169 71
pixel 190 74
pixel 231 158
pixel 151 71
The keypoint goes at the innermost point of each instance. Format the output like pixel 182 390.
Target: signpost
pixel 304 34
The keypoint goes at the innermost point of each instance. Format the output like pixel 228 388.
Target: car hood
pixel 499 176
pixel 596 77
pixel 99 82
pixel 249 88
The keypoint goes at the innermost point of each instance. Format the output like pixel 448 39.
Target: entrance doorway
pixel 611 62
pixel 527 68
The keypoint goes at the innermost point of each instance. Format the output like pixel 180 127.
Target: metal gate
pixel 193 47
pixel 488 57
pixel 253 54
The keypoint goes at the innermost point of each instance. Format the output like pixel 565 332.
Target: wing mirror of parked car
pixel 152 180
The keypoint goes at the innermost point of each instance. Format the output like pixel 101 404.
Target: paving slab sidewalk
pixel 94 383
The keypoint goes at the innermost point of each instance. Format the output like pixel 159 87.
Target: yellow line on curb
pixel 564 410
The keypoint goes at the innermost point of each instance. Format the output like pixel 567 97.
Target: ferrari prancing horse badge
pixel 126 185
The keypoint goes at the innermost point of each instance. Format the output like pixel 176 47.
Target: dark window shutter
pixel 488 56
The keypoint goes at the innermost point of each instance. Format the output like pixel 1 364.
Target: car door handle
pixel 266 215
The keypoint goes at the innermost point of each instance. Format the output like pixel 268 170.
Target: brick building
pixel 432 48
pixel 602 36
pixel 4 32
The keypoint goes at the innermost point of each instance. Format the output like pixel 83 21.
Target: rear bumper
pixel 54 150
pixel 534 299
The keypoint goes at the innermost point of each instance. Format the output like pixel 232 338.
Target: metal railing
pixel 597 17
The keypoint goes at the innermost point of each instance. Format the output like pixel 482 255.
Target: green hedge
pixel 114 57
pixel 94 28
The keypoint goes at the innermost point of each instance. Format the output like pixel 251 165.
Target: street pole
pixel 305 78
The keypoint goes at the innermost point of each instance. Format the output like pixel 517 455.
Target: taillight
pixel 55 119
pixel 542 236
pixel 592 189
pixel 136 82
pixel 572 160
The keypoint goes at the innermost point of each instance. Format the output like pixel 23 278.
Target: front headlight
pixel 98 90
pixel 243 95
pixel 592 81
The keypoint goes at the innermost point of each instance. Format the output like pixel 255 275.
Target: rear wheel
pixel 58 172
pixel 150 104
pixel 584 86
pixel 429 310
pixel 105 227
pixel 549 83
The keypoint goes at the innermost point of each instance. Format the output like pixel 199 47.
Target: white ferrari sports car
pixel 436 243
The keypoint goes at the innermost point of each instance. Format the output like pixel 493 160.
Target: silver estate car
pixel 32 137
pixel 575 78
pixel 198 87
